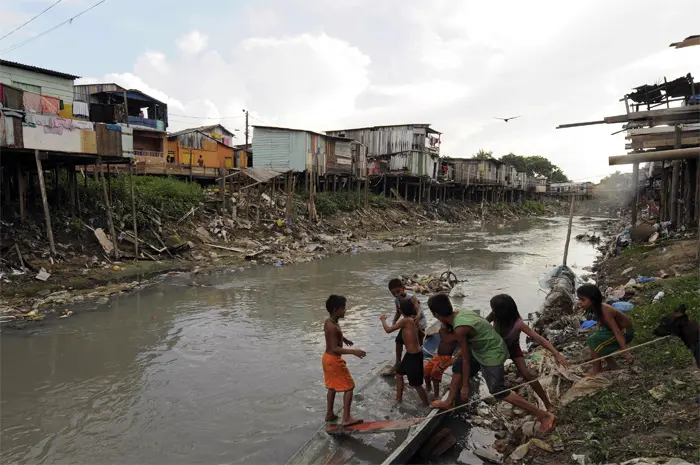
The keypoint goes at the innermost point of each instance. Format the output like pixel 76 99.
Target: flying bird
pixel 509 118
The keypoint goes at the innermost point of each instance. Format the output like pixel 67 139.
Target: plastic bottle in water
pixel 660 295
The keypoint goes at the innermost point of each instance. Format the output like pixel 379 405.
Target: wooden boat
pixel 374 400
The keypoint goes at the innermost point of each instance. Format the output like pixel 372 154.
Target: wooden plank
pixel 374 427
pixel 675 154
pixel 576 125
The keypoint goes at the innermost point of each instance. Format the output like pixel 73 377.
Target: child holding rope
pixel 614 332
pixel 508 323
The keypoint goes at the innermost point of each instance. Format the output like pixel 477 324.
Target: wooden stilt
pixel 108 206
pixel 57 182
pixel 420 190
pixel 675 179
pixel 133 208
pixel 405 191
pixel 367 191
pixel 687 218
pixel 44 201
pixel 20 192
pixel 222 193
pixel 70 171
pixel 635 187
pixel 384 185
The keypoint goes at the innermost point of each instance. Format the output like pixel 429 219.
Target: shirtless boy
pixel 398 290
pixel 412 363
pixel 437 365
pixel 335 371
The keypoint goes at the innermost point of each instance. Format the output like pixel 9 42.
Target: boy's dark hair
pixel 592 293
pixel 334 302
pixel 440 305
pixel 406 307
pixel 395 283
pixel 505 311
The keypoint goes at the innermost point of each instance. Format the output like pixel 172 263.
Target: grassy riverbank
pixel 651 410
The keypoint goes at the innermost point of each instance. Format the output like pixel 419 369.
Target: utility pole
pixel 246 128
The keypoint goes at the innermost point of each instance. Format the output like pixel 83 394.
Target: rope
pixel 547 376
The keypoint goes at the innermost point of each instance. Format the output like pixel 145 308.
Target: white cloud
pixel 319 65
pixel 193 42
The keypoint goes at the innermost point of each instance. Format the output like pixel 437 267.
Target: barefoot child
pixel 614 328
pixel 481 349
pixel 412 363
pixel 398 290
pixel 437 365
pixel 335 371
pixel 509 324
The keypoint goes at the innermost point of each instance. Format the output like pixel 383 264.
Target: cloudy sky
pixel 330 64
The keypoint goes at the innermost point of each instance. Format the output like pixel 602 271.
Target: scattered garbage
pixel 43 275
pixel 588 324
pixel 585 387
pixel 658 392
pixel 627 270
pixel 623 306
pixel 646 279
pixel 430 284
pixel 659 296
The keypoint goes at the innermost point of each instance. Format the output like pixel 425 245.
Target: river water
pixel 230 372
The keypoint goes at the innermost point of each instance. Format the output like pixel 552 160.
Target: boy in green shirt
pixel 482 348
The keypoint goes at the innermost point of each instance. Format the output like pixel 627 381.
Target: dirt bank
pixel 206 240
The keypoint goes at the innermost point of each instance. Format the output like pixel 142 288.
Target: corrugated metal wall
pixel 273 149
pixel 387 140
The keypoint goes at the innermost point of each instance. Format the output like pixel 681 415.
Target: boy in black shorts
pixel 411 365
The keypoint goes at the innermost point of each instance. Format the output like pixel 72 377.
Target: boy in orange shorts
pixel 335 371
pixel 437 365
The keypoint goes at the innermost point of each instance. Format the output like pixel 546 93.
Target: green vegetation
pixel 536 166
pixel 170 196
pixel 533 207
pixel 330 203
pixel 626 420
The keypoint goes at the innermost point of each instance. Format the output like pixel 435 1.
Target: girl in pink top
pixel 508 323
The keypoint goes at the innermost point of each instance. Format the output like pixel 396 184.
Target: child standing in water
pixel 398 290
pixel 508 323
pixel 411 365
pixel 614 332
pixel 335 371
pixel 436 366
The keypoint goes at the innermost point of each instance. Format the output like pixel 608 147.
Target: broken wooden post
pixel 108 207
pixel 367 190
pixel 133 209
pixel 20 189
pixel 44 201
pixel 384 185
pixel 635 187
pixel 405 191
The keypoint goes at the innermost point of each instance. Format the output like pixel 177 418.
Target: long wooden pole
pixel 568 231
pixel 133 208
pixel 44 201
pixel 108 206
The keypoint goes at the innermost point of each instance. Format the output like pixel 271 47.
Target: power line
pixel 69 20
pixel 35 17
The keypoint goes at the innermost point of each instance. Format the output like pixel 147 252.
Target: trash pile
pixel 585 237
pixel 431 284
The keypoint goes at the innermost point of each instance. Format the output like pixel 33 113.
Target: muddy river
pixel 230 372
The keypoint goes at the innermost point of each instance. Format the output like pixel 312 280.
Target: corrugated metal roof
pixel 304 130
pixel 202 129
pixel 263 174
pixel 415 125
pixel 36 69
